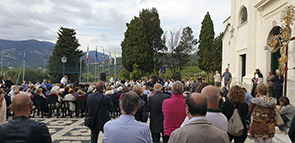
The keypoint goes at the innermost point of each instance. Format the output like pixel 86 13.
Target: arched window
pixel 244 15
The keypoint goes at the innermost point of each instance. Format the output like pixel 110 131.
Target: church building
pixel 247 32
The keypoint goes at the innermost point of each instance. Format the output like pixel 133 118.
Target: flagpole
pixel 24 68
pixel 98 71
pixel 87 60
pixel 115 64
pixel 87 71
pixel 103 60
pixel 80 78
pixel 109 64
pixel 96 62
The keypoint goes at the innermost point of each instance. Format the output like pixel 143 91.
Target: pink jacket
pixel 174 113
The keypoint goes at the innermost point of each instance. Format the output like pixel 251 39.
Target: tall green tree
pixel 178 49
pixel 205 61
pixel 67 44
pixel 217 51
pixel 153 31
pixel 135 48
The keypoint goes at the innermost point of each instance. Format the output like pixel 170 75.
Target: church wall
pixel 250 38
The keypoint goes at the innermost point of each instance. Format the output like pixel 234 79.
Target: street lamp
pixel 63 60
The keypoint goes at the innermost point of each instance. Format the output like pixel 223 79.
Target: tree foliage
pixel 153 31
pixel 217 51
pixel 124 74
pixel 67 44
pixel 135 48
pixel 31 74
pixel 206 58
pixel 137 73
pixel 178 48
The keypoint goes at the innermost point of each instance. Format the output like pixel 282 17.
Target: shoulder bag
pixel 235 125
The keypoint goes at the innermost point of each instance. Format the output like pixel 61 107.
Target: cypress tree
pixel 205 60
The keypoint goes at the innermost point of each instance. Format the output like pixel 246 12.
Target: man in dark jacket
pixel 156 114
pixel 102 114
pixel 278 86
pixel 195 86
pixel 9 83
pixel 21 128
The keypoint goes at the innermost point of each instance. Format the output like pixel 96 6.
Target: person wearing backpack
pixel 237 129
pixel 262 127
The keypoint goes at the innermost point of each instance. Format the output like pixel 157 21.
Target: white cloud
pixel 101 23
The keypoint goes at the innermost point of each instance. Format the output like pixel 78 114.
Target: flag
pixel 96 56
pixel 110 58
pixel 115 58
pixel 87 57
pixel 102 55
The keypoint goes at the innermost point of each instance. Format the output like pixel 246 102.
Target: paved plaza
pixel 72 130
pixel 67 130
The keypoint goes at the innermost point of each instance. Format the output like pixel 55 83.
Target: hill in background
pixel 37 53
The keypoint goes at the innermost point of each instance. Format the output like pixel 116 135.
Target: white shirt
pixel 166 84
pixel 217 78
pixel 126 83
pixel 216 118
pixel 170 84
pixel 259 79
pixel 70 97
pixel 64 80
pixel 111 80
pixel 195 118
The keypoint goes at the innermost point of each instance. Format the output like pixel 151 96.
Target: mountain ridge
pixel 37 52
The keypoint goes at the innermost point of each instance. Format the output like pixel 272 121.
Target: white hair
pixel 53 91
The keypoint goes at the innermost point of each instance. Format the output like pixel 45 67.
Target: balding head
pixel 129 103
pixel 211 93
pixel 21 104
pixel 99 86
pixel 196 104
pixel 157 87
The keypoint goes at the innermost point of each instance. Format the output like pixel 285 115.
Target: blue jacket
pixel 102 116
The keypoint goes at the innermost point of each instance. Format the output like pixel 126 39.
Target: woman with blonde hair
pixel 237 100
pixel 140 115
pixel 262 127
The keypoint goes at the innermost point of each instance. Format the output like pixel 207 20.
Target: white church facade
pixel 246 34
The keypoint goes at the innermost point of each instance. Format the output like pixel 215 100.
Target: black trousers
pixel 94 135
pixel 165 139
pixel 278 94
pixel 240 139
pixel 156 137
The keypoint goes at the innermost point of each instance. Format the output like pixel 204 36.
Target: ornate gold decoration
pixel 281 40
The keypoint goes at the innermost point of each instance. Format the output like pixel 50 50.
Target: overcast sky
pixel 101 23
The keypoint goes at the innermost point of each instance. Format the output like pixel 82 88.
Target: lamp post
pixel 63 60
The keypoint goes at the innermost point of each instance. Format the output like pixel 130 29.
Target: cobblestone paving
pixel 72 130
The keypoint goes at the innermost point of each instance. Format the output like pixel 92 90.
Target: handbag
pixel 278 119
pixel 235 125
pixel 89 121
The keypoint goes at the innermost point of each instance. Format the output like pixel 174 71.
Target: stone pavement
pixel 72 130
pixel 67 130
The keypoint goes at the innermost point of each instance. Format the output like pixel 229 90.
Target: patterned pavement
pixel 72 130
pixel 67 130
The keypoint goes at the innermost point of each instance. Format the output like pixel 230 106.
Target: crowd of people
pixel 178 111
